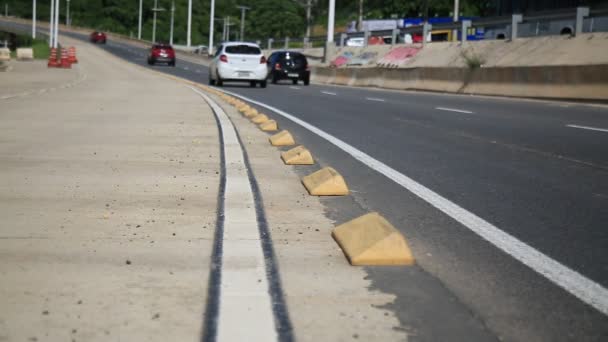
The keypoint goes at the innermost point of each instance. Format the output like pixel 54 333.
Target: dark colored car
pixel 98 37
pixel 288 65
pixel 161 53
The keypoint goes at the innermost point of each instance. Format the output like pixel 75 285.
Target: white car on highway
pixel 239 62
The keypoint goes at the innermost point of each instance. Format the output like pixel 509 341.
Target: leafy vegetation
pixel 266 19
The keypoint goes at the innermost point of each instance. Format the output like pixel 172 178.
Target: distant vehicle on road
pixel 201 50
pixel 288 65
pixel 161 53
pixel 240 62
pixel 98 37
pixel 355 41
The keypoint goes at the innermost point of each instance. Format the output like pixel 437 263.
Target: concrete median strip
pixel 283 138
pixel 260 118
pixel 246 308
pixel 299 155
pixel 325 182
pixel 371 240
pixel 269 126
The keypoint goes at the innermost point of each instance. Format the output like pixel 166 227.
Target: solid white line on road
pixel 245 306
pixel 588 128
pixel 375 99
pixel 454 110
pixel 577 284
pixel 329 93
pixel 296 88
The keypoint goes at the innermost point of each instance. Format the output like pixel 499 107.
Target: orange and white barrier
pixel 72 55
pixel 53 59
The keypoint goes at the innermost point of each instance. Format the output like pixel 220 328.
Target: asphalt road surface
pixel 505 201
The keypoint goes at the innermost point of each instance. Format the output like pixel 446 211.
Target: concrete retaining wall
pixel 585 82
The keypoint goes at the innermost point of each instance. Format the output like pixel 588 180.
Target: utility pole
pixel 56 23
pixel 308 7
pixel 224 29
pixel 139 26
pixel 154 22
pixel 34 19
pixel 243 9
pixel 211 21
pixel 456 17
pixel 155 9
pixel 67 13
pixel 330 21
pixel 172 20
pixel 6 9
pixel 189 29
pixel 360 20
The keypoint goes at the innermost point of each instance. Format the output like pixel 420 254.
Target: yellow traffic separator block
pixel 297 156
pixel 325 182
pixel 371 240
pixel 269 126
pixel 242 107
pixel 260 118
pixel 283 138
pixel 251 112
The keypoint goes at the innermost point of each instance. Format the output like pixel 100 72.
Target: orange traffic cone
pixel 65 62
pixel 72 55
pixel 53 59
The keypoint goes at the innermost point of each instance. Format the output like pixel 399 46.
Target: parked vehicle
pixel 161 53
pixel 238 62
pixel 355 41
pixel 288 65
pixel 98 37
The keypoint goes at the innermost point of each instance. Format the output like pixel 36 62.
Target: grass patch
pixel 39 46
pixel 472 60
pixel 41 49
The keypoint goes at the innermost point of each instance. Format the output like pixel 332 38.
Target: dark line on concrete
pixel 211 316
pixel 279 306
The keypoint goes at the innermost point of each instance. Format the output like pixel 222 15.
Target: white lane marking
pixel 588 128
pixel 375 99
pixel 454 110
pixel 245 306
pixel 575 283
pixel 329 93
pixel 296 88
pixel 198 71
pixel 186 68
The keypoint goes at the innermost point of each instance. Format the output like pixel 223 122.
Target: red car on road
pixel 161 53
pixel 98 37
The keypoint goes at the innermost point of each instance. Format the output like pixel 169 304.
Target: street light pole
pixel 34 19
pixel 52 24
pixel 67 13
pixel 243 9
pixel 56 23
pixel 139 26
pixel 211 21
pixel 172 20
pixel 189 33
pixel 330 21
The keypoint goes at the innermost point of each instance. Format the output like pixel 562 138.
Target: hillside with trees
pixel 266 18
